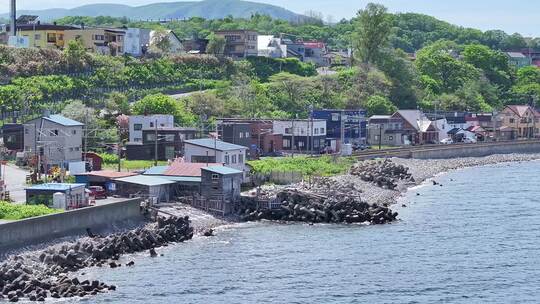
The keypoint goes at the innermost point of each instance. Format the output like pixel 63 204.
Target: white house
pixel 176 43
pixel 136 41
pixel 208 150
pixel 139 122
pixel 270 46
pixel 307 133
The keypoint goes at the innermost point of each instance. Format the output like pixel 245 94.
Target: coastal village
pixel 79 174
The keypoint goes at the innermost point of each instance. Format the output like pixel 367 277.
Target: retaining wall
pixel 477 150
pixel 74 222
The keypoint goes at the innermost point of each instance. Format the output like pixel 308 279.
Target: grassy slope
pixel 316 166
pixel 10 211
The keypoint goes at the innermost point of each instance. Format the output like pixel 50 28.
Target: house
pixel 105 179
pixel 60 196
pixel 195 45
pixel 457 119
pixel 44 36
pixel 441 124
pixel 93 161
pixel 458 134
pixel 523 119
pixel 270 46
pixel 137 41
pixel 139 122
pixel 417 128
pixel 386 131
pixel 338 58
pixel 235 133
pixel 517 59
pixel 294 48
pixel 13 136
pixel 187 176
pixel 263 139
pixel 479 132
pixel 239 43
pixel 315 52
pixel 209 150
pixel 105 41
pixel 352 123
pixel 55 138
pixel 145 186
pixel 301 135
pixel 175 42
pixel 221 186
pixel 169 143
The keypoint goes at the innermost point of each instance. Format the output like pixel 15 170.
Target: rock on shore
pixel 46 274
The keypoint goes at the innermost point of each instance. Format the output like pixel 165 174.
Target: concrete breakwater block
pixel 37 277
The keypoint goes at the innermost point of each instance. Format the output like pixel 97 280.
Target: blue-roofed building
pixel 73 194
pixel 220 188
pixel 55 138
pixel 353 123
pixel 208 150
pixel 145 186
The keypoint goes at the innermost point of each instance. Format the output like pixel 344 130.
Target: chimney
pixel 13 18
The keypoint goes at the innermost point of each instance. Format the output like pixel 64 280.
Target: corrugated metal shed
pixel 64 121
pixel 214 144
pixel 55 187
pixel 157 170
pixel 223 170
pixel 145 180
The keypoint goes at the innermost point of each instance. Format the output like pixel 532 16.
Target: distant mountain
pixel 208 9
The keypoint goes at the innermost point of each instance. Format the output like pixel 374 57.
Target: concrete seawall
pixel 476 150
pixel 74 222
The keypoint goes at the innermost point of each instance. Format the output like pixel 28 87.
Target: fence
pixel 278 177
pixel 215 205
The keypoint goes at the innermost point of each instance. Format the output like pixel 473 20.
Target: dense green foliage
pixel 10 211
pixel 308 166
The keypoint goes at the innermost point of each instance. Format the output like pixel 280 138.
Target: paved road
pixel 15 179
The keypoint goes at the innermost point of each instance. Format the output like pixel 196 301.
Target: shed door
pixel 169 152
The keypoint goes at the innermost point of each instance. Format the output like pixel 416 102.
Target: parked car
pixel 447 141
pixel 98 192
pixel 469 140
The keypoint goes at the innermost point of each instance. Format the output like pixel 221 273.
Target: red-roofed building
pixel 181 168
pixel 316 53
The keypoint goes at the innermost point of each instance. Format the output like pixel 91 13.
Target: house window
pixel 322 130
pixel 215 176
pixel 227 160
pixel 241 135
pixel 335 116
pixel 234 159
pixel 150 137
pixel 512 120
pixel 51 38
pixel 169 137
pixel 137 139
pixel 137 127
pixel 247 134
pixel 390 137
pixel 151 124
pixel 26 131
pixel 37 37
pixel 288 131
pixel 74 132
pixel 241 159
pixel 70 149
pixel 286 143
pixel 316 131
pixel 77 148
pixel 54 133
pixel 301 144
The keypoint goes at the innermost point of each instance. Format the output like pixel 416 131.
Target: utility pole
pixel 85 135
pixel 119 150
pixel 380 136
pixel 13 18
pixel 292 141
pixel 342 127
pixel 155 143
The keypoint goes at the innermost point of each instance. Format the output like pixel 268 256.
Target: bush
pixel 265 67
pixel 308 166
pixel 109 158
pixel 18 212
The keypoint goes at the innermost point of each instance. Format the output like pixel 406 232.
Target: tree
pixel 163 104
pixel 216 45
pixel 379 105
pixel 372 32
pixel 75 53
pixel 205 104
pixel 160 42
pixel 527 86
pixel 494 64
pixel 366 83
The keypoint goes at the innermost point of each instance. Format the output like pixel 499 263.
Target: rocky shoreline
pixel 44 274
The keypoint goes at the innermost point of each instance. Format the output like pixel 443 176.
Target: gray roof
pixel 64 121
pixel 222 170
pixel 145 180
pixel 214 144
pixel 516 55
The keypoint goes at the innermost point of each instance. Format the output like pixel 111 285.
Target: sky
pixel 521 16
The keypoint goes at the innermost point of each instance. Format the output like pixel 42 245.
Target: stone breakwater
pixel 384 174
pixel 40 275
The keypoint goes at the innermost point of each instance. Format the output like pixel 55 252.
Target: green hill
pixel 208 9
